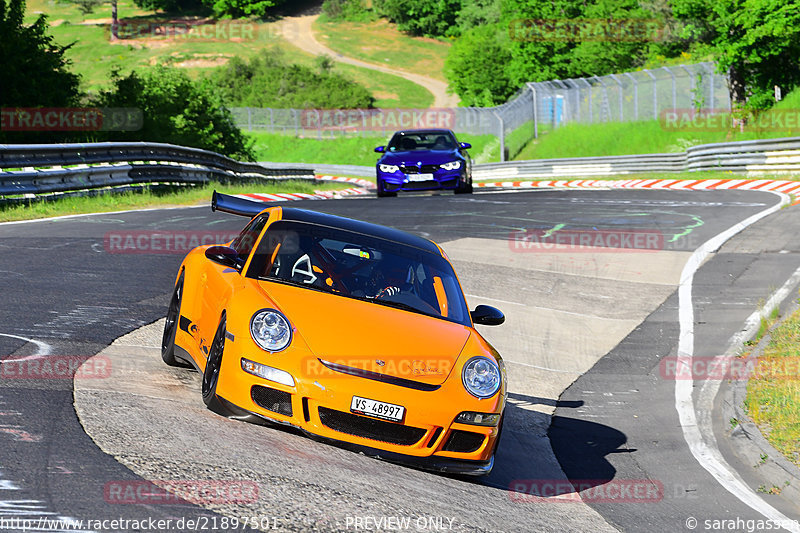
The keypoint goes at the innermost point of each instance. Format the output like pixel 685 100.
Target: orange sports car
pixel 355 333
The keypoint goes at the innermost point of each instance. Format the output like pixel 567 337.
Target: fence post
pixel 619 83
pixel 655 94
pixel 591 100
pixel 502 136
pixel 635 96
pixel 674 88
pixel 532 87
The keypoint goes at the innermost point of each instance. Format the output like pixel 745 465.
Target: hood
pixel 427 157
pixel 362 335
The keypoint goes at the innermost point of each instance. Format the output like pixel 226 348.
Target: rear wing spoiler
pixel 235 205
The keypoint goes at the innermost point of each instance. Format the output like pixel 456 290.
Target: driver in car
pixel 391 278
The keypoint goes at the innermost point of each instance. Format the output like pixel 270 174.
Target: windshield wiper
pixel 295 283
pixel 400 305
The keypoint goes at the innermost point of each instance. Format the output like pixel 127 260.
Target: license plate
pixel 374 408
pixel 420 177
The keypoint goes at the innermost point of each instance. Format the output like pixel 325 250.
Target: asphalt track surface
pixel 61 288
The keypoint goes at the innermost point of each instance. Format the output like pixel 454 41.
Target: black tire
pixel 211 372
pixel 465 188
pixel 384 194
pixel 171 326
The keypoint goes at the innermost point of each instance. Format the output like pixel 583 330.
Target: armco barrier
pixel 40 169
pixel 119 164
pixel 753 157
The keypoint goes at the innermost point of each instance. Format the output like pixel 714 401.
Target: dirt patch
pixel 96 22
pixel 203 63
pixel 383 95
pixel 57 22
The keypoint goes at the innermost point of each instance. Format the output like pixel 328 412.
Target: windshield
pixel 359 266
pixel 409 142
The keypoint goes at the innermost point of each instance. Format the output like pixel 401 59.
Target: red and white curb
pixel 782 186
pixel 360 189
pixel 358 182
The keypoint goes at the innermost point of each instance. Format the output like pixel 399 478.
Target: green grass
pixel 773 395
pixel 382 43
pixel 343 150
pixel 647 137
pixel 180 196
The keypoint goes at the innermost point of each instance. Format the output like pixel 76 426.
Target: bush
pixel 476 67
pixel 176 110
pixel 434 18
pixel 268 81
pixel 352 10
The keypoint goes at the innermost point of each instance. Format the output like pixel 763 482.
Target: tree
pixel 756 41
pixel 476 67
pixel 35 71
pixel 176 110
pixel 422 17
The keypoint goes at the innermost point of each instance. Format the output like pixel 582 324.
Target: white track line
pixel 706 453
pixel 42 347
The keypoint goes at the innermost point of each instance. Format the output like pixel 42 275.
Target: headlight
pixel 452 165
pixel 389 168
pixel 481 377
pixel 270 330
pixel 267 372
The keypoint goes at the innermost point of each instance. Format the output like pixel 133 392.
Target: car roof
pixel 358 226
pixel 430 130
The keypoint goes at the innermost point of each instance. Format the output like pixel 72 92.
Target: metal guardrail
pixel 753 157
pixel 120 164
pixel 98 165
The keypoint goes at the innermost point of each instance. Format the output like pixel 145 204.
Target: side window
pixel 243 244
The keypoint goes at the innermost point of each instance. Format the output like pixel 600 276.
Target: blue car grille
pixel 415 169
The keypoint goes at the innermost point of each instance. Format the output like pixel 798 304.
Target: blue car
pixel 424 160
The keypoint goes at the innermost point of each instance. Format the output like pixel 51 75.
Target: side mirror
pixel 487 315
pixel 224 255
pixel 465 146
pixel 380 149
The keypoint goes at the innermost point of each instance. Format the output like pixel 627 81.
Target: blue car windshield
pixel 360 266
pixel 410 142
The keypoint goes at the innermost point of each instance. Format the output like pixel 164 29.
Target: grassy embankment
pixel 773 396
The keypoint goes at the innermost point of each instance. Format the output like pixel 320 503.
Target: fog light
pixel 478 419
pixel 267 372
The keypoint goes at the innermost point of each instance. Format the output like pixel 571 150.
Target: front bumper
pixel 319 405
pixel 442 180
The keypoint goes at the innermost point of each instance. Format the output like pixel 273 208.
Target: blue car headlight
pixel 389 168
pixel 481 377
pixel 270 329
pixel 451 165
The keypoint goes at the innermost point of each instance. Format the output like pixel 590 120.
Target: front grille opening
pixel 272 400
pixel 306 414
pixel 463 441
pixel 370 428
pixel 434 437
